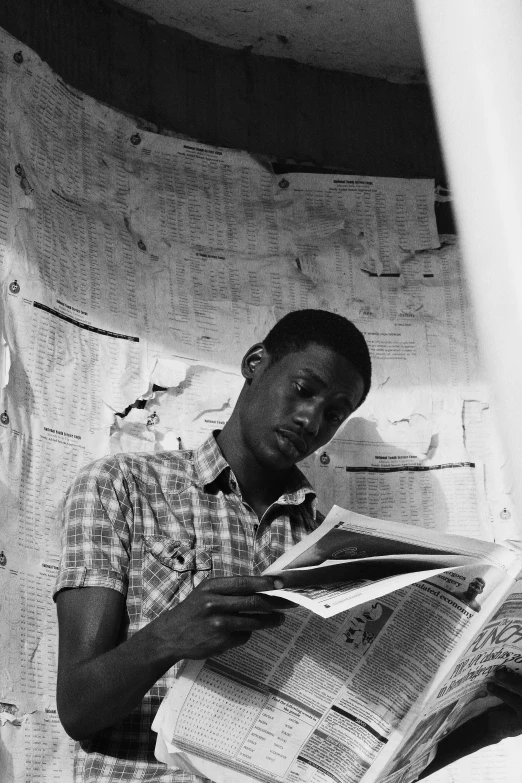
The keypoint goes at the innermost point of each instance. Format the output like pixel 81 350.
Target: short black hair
pixel 296 330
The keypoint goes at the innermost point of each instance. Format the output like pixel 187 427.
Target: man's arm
pixel 100 683
pixel 489 728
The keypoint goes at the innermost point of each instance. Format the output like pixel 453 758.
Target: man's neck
pixel 259 486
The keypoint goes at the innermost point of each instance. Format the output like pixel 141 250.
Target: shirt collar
pixel 209 463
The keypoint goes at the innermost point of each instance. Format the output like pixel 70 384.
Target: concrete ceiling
pixel 372 37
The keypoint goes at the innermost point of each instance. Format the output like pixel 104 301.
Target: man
pixel 469 595
pixel 162 552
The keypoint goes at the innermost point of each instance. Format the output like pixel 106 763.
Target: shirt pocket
pixel 170 571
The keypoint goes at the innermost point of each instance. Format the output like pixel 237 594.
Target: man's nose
pixel 309 416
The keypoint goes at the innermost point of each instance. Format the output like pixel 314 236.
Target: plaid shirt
pixel 153 526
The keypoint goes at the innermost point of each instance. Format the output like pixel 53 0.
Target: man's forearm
pixel 101 682
pixel 97 693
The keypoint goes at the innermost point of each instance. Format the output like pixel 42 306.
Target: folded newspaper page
pixel 351 559
pixel 459 693
pixel 343 693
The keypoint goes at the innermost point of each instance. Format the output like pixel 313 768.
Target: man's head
pixel 302 382
pixel 476 586
pixel 296 330
pixel 373 613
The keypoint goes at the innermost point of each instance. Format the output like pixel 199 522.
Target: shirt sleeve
pixel 95 529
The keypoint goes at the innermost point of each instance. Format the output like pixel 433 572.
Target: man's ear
pixel 252 359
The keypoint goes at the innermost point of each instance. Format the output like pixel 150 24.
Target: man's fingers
pixel 239 638
pixel 249 604
pixel 503 721
pixel 509 680
pixel 248 623
pixel 280 604
pixel 239 585
pixel 508 697
pixel 244 594
pixel 508 687
pixel 264 620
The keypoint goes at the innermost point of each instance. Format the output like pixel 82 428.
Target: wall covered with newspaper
pixel 136 269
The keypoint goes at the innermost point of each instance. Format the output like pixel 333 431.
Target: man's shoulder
pixel 173 470
pixel 144 460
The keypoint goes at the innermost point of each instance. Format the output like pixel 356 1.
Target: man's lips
pixel 295 440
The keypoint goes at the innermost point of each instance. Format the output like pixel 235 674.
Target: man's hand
pixel 219 614
pixel 492 726
pixel 506 719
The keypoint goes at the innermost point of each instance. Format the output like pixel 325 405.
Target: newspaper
pixel 396 632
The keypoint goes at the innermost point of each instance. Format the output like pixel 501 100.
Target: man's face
pixel 375 612
pixel 476 586
pixel 295 406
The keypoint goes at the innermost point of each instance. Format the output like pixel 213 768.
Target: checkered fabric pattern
pixel 153 526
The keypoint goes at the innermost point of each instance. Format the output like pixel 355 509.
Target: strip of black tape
pixel 81 325
pixel 411 468
pixel 360 722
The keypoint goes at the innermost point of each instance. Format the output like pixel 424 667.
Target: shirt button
pixel 255 528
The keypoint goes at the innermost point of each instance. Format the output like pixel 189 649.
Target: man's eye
pixel 334 418
pixel 303 390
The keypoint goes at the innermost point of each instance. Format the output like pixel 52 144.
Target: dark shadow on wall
pixel 361 436
pixel 230 97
